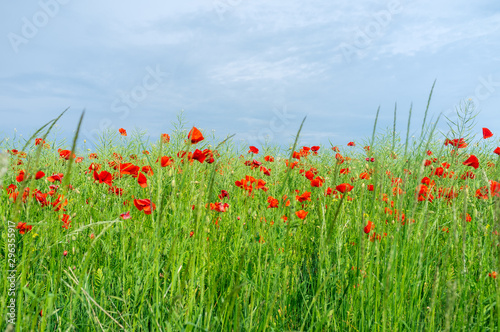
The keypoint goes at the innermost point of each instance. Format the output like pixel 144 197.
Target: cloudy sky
pixel 250 67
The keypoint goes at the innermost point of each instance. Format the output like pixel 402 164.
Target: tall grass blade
pixel 408 131
pixel 394 129
pixel 71 159
pixel 374 127
pixel 427 109
pixel 291 156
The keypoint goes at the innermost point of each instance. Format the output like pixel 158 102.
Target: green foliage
pixel 189 267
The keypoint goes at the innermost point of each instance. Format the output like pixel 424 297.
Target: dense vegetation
pixel 177 234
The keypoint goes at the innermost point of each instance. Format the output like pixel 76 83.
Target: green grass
pixel 246 269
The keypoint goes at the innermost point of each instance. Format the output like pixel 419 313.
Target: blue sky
pixel 250 67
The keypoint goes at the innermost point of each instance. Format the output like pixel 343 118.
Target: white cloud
pixel 256 54
pixel 426 37
pixel 265 70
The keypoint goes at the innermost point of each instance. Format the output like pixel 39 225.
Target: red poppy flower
pixel 425 180
pixel 65 154
pixel 210 155
pixel 165 138
pixel 166 161
pixel 223 194
pixel 301 214
pixel 39 175
pixel 269 158
pixel 438 171
pixel 53 188
pixel 273 202
pixel 144 205
pixel 309 175
pixel 367 229
pixel 147 169
pixel 397 191
pixel 345 171
pixel 41 198
pixel 253 150
pixel 55 177
pixel 115 190
pixel 344 187
pixel 79 160
pixel 495 188
pixel 129 168
pixel 315 148
pixel 364 176
pixel 39 141
pixel 219 206
pixel 20 176
pixel 317 182
pixel 351 144
pixel 261 185
pixel 123 132
pixel 195 136
pixel 459 143
pixel 66 221
pixel 125 216
pixel 14 195
pixel 291 165
pixel 497 150
pixel 492 274
pixel 199 155
pixel 254 163
pixel 266 171
pixel 60 203
pixel 103 177
pixel 424 193
pixel 487 133
pixel 306 196
pixel 244 184
pixel 472 161
pixel 482 193
pixel 23 228
pixel 422 189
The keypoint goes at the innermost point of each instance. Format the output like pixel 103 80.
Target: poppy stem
pixel 330 227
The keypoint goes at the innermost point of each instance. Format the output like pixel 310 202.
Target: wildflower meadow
pixel 190 232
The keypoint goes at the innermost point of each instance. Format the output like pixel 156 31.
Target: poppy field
pixel 187 232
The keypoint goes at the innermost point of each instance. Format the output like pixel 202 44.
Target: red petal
pixel 487 133
pixel 142 180
pixel 195 135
